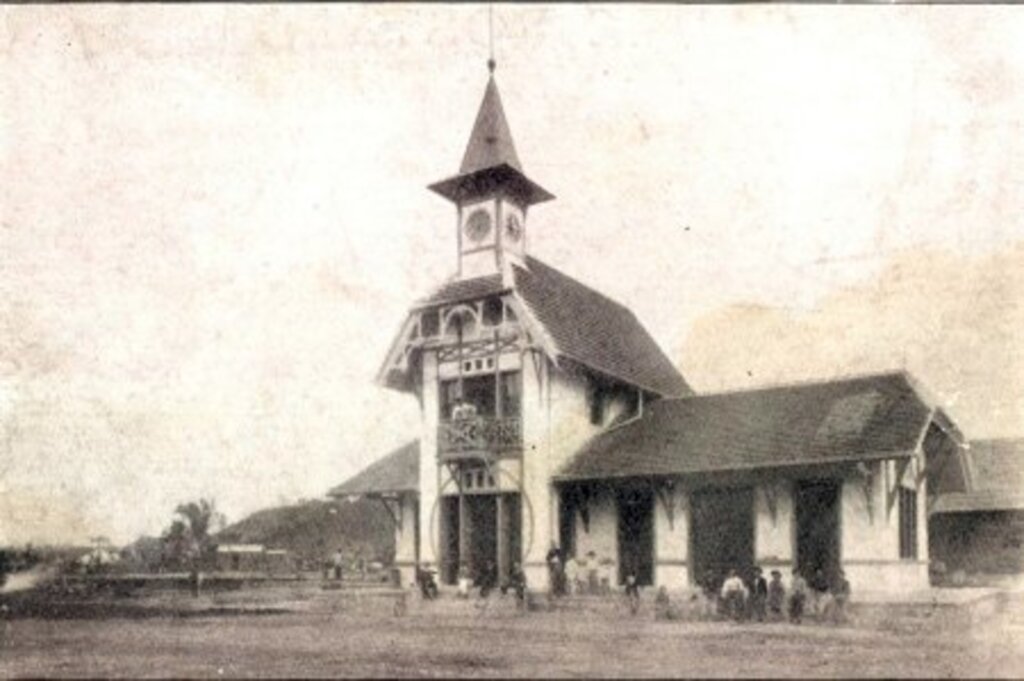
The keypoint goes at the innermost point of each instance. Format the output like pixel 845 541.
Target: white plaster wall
pixel 870 549
pixel 774 537
pixel 405 539
pixel 864 538
pixel 602 538
pixel 672 541
pixel 535 476
pixel 429 520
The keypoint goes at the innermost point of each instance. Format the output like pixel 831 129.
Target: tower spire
pixel 491 64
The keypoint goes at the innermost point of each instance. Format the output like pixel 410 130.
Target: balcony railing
pixel 480 435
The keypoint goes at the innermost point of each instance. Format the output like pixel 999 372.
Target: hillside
pixel 310 530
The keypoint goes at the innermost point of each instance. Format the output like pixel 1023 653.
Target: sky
pixel 214 218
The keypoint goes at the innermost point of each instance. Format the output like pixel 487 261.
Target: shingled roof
pixel 997 479
pixel 395 473
pixel 855 419
pixel 586 327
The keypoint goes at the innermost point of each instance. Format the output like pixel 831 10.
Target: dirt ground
pixel 335 638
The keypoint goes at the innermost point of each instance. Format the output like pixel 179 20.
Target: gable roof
pixel 853 419
pixel 595 331
pixel 395 473
pixel 997 479
pixel 585 326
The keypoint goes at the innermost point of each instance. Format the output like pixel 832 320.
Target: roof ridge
pixel 801 383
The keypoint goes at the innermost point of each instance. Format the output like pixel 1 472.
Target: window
pixel 479 391
pixel 908 523
pixel 430 323
pixel 596 402
pixel 492 311
pixel 510 390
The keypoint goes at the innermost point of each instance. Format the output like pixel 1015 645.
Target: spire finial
pixel 491 64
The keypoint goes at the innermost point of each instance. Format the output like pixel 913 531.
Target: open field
pixel 305 633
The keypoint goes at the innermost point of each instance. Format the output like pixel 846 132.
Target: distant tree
pixel 189 540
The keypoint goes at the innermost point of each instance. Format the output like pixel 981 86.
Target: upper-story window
pixel 492 311
pixel 460 322
pixel 479 392
pixel 430 323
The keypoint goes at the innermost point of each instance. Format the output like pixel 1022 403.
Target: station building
pixel 549 416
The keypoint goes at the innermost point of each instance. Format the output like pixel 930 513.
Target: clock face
pixel 513 228
pixel 478 226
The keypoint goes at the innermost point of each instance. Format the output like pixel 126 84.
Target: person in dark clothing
pixel 427 583
pixel 759 595
pixel 556 571
pixel 517 582
pixel 776 596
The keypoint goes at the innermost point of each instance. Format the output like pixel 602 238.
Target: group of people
pixel 569 575
pixel 738 597
pixel 756 598
pixel 484 583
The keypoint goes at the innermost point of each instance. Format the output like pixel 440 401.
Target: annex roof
pixel 585 326
pixel 396 473
pixel 996 479
pixel 852 419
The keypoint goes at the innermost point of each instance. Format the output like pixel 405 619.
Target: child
pixel 632 594
pixel 463 581
pixel 572 576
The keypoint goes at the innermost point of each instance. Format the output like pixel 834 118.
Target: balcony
pixel 479 435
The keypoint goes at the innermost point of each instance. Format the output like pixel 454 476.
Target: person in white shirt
pixel 734 595
pixel 572 576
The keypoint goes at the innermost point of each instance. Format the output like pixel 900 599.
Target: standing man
pixel 759 595
pixel 338 562
pixel 555 572
pixel 840 597
pixel 776 596
pixel 798 597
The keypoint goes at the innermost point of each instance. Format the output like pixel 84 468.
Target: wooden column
pixel 463 527
pixel 502 532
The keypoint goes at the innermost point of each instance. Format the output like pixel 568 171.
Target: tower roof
pixel 490 160
pixel 490 143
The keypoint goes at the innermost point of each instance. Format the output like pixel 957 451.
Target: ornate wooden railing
pixel 484 435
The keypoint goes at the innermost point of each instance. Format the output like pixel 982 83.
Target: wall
pixel 556 423
pixel 429 513
pixel 405 538
pixel 870 543
pixel 672 539
pixel 774 536
pixel 602 538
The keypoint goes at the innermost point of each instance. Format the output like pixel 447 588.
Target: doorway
pixel 817 526
pixel 449 539
pixel 636 535
pixel 722 533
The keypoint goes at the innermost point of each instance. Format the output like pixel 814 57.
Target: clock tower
pixel 491 193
